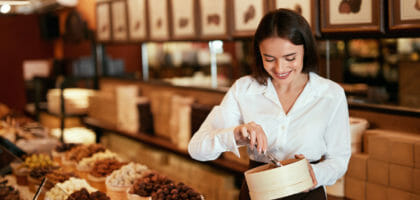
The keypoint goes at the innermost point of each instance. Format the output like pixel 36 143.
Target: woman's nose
pixel 280 66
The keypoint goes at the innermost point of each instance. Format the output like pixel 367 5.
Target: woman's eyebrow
pixel 290 54
pixel 268 55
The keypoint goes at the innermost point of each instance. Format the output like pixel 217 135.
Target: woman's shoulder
pixel 246 83
pixel 327 86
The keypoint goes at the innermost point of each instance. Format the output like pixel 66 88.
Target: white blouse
pixel 317 125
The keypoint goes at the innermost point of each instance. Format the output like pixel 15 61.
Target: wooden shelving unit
pixel 163 144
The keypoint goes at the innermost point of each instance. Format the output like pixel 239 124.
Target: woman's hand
pixel 252 134
pixel 311 171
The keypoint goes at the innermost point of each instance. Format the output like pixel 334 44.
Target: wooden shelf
pixel 164 144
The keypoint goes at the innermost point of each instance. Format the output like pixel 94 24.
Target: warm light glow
pixel 14 3
pixel 5 8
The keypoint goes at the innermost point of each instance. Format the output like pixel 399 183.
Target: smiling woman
pixel 286 97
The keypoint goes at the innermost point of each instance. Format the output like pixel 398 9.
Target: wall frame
pixel 404 15
pixel 119 20
pixel 341 16
pixel 137 20
pixel 183 19
pixel 307 8
pixel 158 19
pixel 213 19
pixel 103 22
pixel 247 15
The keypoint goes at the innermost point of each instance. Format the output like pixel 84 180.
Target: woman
pixel 283 108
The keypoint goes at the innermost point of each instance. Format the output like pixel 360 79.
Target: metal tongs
pixel 273 159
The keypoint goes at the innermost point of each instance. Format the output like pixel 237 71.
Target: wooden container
pixel 57 157
pixel 103 106
pixel 97 182
pixel 269 182
pixel 68 165
pixel 131 196
pixel 117 192
pixel 83 172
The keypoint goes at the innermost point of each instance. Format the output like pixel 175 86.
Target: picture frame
pixel 183 19
pixel 404 15
pixel 158 20
pixel 103 22
pixel 307 8
pixel 137 20
pixel 213 19
pixel 119 20
pixel 339 16
pixel 247 15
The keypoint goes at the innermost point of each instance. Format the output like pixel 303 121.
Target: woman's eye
pixel 269 60
pixel 290 59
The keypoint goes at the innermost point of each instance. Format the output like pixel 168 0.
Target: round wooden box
pixel 269 182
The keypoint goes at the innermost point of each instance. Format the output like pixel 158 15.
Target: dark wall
pixel 19 40
pixel 130 53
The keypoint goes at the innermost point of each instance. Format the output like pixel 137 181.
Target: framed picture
pixel 340 16
pixel 137 20
pixel 103 22
pixel 183 19
pixel 247 15
pixel 404 15
pixel 119 20
pixel 213 16
pixel 307 8
pixel 158 19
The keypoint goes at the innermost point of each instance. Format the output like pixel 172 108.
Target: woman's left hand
pixel 311 171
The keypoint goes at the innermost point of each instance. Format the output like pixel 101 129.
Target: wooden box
pixel 269 182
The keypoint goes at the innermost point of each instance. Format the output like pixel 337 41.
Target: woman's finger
pixel 260 142
pixel 244 132
pixel 252 138
pixel 299 156
pixel 311 171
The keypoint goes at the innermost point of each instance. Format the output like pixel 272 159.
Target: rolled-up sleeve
pixel 215 135
pixel 337 138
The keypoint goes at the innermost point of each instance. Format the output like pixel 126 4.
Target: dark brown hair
pixel 289 25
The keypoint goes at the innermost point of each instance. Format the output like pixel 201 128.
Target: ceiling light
pixel 5 8
pixel 20 2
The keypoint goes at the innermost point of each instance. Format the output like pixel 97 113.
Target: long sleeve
pixel 215 135
pixel 338 153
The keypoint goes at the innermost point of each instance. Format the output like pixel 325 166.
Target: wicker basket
pixel 269 182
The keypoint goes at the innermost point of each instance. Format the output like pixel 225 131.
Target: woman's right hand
pixel 252 134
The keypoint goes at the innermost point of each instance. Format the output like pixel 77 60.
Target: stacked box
pixel 357 128
pixel 392 163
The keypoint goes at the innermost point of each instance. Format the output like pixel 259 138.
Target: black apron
pixel 316 194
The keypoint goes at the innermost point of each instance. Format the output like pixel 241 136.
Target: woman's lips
pixel 283 75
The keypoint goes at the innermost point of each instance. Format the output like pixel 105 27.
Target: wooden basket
pixel 117 192
pixel 131 196
pixel 269 182
pixel 83 172
pixel 97 182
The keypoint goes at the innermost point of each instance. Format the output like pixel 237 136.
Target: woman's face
pixel 282 59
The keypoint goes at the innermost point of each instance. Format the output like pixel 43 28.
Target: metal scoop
pixel 273 159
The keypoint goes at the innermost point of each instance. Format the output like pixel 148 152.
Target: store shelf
pixel 164 144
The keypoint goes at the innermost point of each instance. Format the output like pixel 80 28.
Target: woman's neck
pixel 293 86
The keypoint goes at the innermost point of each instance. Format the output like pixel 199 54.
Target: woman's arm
pixel 337 138
pixel 215 135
